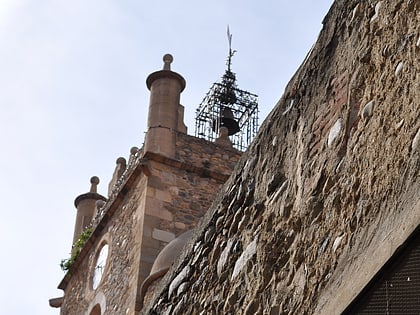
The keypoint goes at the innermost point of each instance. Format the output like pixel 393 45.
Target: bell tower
pixel 228 109
pixel 156 197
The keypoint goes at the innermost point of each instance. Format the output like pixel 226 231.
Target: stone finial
pixel 99 203
pixel 122 162
pixel 167 59
pixel 134 150
pixel 94 181
pixel 119 170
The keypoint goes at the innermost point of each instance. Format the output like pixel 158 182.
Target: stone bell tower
pixel 156 197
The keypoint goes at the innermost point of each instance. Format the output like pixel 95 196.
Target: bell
pixel 228 97
pixel 227 120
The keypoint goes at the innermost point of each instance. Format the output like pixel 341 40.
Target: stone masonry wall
pixel 202 153
pixel 153 200
pixel 118 287
pixel 329 188
pixel 180 191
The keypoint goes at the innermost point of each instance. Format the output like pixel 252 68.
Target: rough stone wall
pixel 180 191
pixel 202 153
pixel 152 201
pixel 175 201
pixel 329 188
pixel 119 282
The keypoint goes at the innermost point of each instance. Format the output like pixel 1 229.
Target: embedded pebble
pixel 377 8
pixel 367 111
pixel 418 42
pixel 400 124
pixel 399 68
pixel 274 142
pixel 289 107
pixel 250 250
pixel 334 132
pixel 416 141
pixel 337 242
pixel 323 246
pixel 386 52
pixel 354 13
pixel 178 280
pixel 339 167
pixel 223 257
pixel 182 288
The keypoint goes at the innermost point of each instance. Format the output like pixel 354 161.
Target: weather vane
pixel 231 52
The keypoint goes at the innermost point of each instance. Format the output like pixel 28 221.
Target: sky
pixel 73 99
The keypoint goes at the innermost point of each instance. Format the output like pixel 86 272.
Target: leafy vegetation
pixel 65 264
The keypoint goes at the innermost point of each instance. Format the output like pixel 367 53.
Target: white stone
pixel 278 192
pixel 377 8
pixel 223 257
pixel 337 242
pixel 289 107
pixel 354 13
pixel 418 42
pixel 416 141
pixel 274 142
pixel 334 132
pixel 178 280
pixel 367 111
pixel 400 124
pixel 182 288
pixel 250 251
pixel 163 236
pixel 399 68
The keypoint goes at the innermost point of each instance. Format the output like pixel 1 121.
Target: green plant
pixel 65 264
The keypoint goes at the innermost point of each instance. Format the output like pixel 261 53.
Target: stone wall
pixel 328 190
pixel 117 290
pixel 208 155
pixel 152 200
pixel 180 191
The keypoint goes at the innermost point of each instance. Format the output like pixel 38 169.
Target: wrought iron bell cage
pixel 225 105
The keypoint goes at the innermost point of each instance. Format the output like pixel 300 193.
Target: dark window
pixel 396 288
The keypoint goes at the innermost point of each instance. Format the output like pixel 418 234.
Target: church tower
pixel 156 197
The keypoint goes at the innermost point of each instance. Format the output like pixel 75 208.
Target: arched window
pixel 100 265
pixel 96 310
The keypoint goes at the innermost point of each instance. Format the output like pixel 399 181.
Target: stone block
pixel 154 207
pixel 163 236
pixel 163 195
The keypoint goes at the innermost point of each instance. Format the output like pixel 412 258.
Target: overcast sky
pixel 73 99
